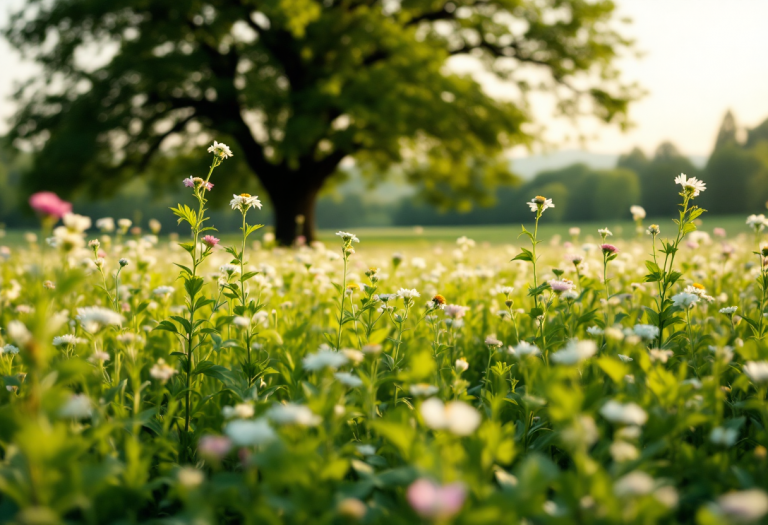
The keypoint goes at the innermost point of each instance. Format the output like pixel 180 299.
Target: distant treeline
pixel 736 174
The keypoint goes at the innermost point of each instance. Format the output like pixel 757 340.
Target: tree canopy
pixel 300 85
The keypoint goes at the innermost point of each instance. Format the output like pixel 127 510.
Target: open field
pixel 428 237
pixel 228 382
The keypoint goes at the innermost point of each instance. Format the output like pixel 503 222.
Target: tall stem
pixel 342 296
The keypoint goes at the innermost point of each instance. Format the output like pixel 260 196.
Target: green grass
pixel 508 234
pixel 407 236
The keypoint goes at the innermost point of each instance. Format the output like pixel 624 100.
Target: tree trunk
pixel 290 202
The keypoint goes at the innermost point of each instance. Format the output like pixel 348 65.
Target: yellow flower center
pixel 245 195
pixel 698 286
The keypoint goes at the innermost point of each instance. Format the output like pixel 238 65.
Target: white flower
pixel 18 332
pixel 605 232
pixel 124 224
pixel 245 433
pixel 525 348
pixel 622 451
pixel 646 331
pixel 229 269
pixel 570 295
pixel 93 318
pixel 457 416
pixel 355 356
pixel 729 310
pixel 627 414
pixel 78 406
pixel 625 358
pixel 241 322
pixel 220 150
pixel 692 185
pixel 575 352
pixel 245 202
pixel 423 389
pixel 660 355
pixel 106 224
pixel 685 300
pixel 76 223
pixel 461 365
pixel 540 202
pixel 406 294
pixel 347 237
pixel 638 212
pixel 595 331
pixel 757 371
pixel 324 358
pixel 757 222
pixel 163 291
pixel 724 436
pixel 291 413
pixel 492 341
pixel 347 379
pixel 99 356
pixel 747 505
pixel 9 349
pixel 240 411
pixel 161 371
pixel 635 483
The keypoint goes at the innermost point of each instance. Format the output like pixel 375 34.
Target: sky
pixel 700 58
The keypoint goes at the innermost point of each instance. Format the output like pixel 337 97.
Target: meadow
pixel 617 374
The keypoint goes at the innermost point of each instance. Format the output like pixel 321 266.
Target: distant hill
pixel 528 167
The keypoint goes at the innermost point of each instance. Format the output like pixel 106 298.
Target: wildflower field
pixel 198 381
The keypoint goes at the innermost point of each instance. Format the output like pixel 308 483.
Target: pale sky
pixel 702 57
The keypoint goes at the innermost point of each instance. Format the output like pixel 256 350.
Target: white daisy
pixel 540 202
pixel 220 150
pixel 244 202
pixel 692 184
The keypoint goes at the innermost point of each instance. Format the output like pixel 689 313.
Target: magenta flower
pixel 48 203
pixel 609 248
pixel 430 500
pixel 189 182
pixel 210 241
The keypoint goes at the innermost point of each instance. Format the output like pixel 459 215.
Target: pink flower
pixel 560 286
pixel 455 311
pixel 430 500
pixel 191 182
pixel 48 203
pixel 215 447
pixel 719 232
pixel 210 241
pixel 609 248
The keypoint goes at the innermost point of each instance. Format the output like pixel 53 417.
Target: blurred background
pixel 387 114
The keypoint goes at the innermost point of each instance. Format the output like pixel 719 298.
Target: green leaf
pixel 202 366
pixel 252 229
pixel 525 255
pixel 167 326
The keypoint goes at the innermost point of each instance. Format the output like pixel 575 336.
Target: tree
pixel 300 85
pixel 727 134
